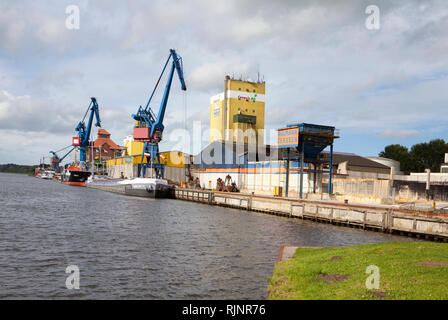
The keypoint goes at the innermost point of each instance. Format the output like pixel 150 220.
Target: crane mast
pixel 149 128
pixel 83 139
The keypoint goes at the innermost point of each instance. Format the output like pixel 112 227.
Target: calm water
pixel 142 248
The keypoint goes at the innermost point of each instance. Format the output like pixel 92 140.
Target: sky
pixel 320 61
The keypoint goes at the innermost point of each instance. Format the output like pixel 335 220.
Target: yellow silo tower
pixel 238 113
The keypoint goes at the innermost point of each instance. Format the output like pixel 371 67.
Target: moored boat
pixel 74 176
pixel 139 187
pixel 47 174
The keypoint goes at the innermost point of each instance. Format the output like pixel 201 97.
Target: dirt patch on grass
pixel 432 264
pixel 378 294
pixel 332 277
pixel 332 258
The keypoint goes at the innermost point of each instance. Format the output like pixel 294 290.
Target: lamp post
pixel 100 155
pixel 93 158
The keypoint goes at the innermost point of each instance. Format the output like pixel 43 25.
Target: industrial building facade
pixel 254 168
pixel 262 169
pixel 237 114
pixel 127 165
pixel 104 148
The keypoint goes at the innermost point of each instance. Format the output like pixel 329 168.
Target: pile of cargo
pixel 227 186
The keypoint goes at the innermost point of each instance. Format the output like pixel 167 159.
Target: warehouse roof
pixel 103 138
pixel 352 159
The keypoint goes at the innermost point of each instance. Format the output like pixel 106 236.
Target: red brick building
pixel 104 148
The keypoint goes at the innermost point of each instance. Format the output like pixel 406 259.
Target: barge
pixel 138 187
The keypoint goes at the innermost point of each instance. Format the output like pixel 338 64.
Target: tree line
pixel 17 168
pixel 421 156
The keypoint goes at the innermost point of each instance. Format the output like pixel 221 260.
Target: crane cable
pixel 186 148
pixel 157 83
pixel 88 108
pixel 63 148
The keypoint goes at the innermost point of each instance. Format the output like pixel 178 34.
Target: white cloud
pixel 320 63
pixel 400 134
pixel 28 114
pixel 210 75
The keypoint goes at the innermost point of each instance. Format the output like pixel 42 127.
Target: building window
pixel 253 111
pixel 254 90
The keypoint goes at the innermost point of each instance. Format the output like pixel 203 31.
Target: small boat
pixel 44 174
pixel 47 174
pixel 139 187
pixel 74 176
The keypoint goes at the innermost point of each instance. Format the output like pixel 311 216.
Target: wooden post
pixel 364 220
pixel 302 156
pixel 287 174
pixel 249 202
pixel 330 174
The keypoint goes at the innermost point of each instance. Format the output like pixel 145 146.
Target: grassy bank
pixel 408 270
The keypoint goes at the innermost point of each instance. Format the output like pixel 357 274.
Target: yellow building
pixel 134 150
pixel 237 114
pixel 132 147
pixel 175 159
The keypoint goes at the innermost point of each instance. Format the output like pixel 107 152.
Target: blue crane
pixel 55 160
pixel 83 139
pixel 149 128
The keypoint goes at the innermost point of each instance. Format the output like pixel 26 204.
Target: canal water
pixel 129 247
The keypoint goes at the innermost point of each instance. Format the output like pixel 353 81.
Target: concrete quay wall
pixel 379 218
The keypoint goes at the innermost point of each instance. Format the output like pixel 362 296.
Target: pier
pixel 414 223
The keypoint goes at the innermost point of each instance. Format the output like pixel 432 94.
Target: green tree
pixel 429 155
pixel 426 155
pixel 16 168
pixel 401 154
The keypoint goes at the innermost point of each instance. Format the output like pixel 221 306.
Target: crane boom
pixel 55 160
pixel 84 132
pixel 179 68
pixel 148 127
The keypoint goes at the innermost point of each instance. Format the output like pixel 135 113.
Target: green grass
pixel 400 276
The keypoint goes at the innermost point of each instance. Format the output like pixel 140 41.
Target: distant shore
pixel 17 168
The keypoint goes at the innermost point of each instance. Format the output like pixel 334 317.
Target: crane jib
pixel 148 127
pixel 84 132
